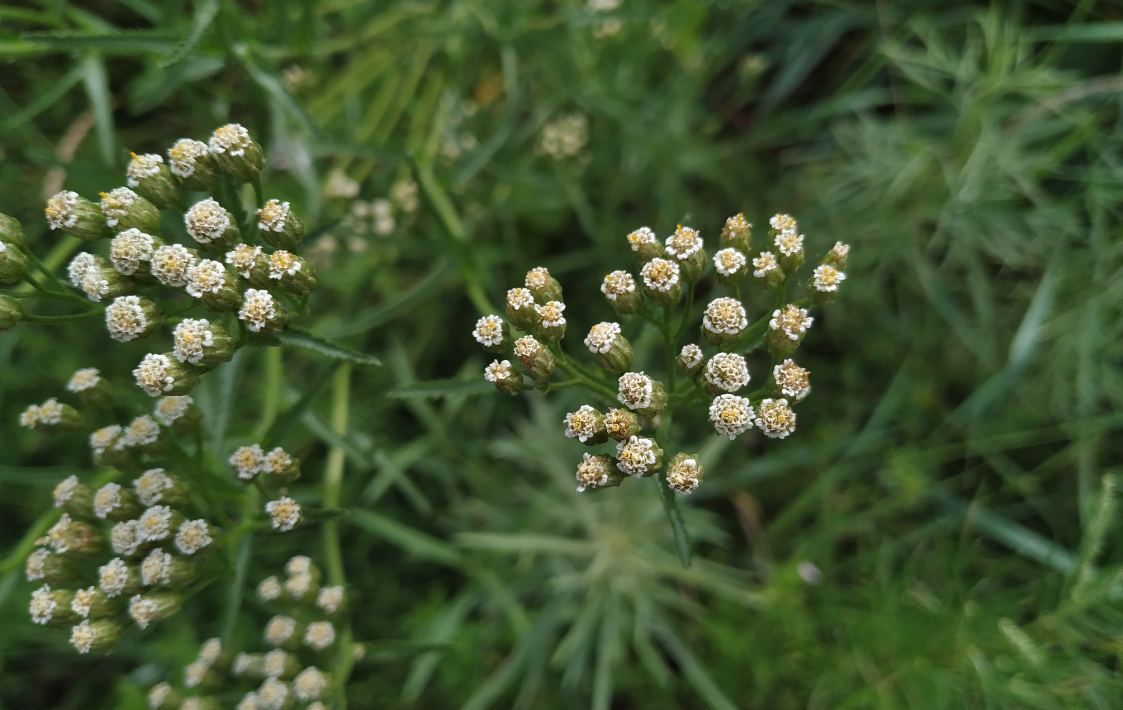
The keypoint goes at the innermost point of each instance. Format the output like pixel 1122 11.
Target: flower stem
pixel 31 318
pixel 580 377
pixel 332 490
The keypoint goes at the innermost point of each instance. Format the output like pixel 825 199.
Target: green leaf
pixel 97 89
pixel 409 539
pixel 114 43
pixel 435 389
pixel 383 313
pixel 384 651
pixel 205 12
pixel 302 338
pixel 674 517
pixel 1018 538
pixel 694 671
pixel 526 542
pixel 440 630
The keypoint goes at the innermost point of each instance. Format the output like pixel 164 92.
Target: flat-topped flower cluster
pixel 670 272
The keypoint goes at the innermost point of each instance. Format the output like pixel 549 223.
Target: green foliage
pixel 940 532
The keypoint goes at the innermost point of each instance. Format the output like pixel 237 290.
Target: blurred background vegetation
pixel 937 534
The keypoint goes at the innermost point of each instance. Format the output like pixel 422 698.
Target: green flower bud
pixel 200 342
pixel 641 394
pixel 646 245
pixel 124 210
pixel 737 234
pixel 11 232
pixel 551 322
pixel 180 413
pixel 13 264
pixel 92 603
pixel 211 225
pixel 492 333
pixel 50 567
pixel 786 329
pixel 690 360
pixel 163 375
pixel 536 359
pixel 621 424
pixel 661 281
pixel 732 266
pixel 91 388
pixel 544 287
pixel 191 161
pixel 251 264
pixel 280 467
pixel 74 537
pixel 610 349
pixel 824 284
pixel 684 473
pixel 597 472
pixel 279 226
pixel 149 608
pixel 210 282
pixel 52 606
pixel 261 312
pixel 619 288
pixel 295 275
pixel 75 498
pixel 133 318
pixel 586 425
pixel 639 457
pixel 507 379
pixel 520 309
pixel 95 635
pixel 77 215
pixel 837 256
pixel 148 175
pixel 685 247
pixel 98 278
pixel 723 322
pixel 236 153
pixel 11 312
pixel 116 503
pixel 52 416
pixel 767 271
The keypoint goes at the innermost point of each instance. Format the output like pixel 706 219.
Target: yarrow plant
pixel 707 378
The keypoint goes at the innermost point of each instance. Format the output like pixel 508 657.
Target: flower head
pixel 637 456
pixel 123 538
pixel 565 136
pixel 126 319
pixel 64 491
pixel 83 601
pixel 285 513
pixel 182 156
pixel 550 314
pixel 764 264
pixel 105 438
pixel 107 499
pixel 279 630
pixel 248 461
pixel 518 299
pixel 319 635
pixel 498 371
pixel 141 431
pixel 117 204
pixel 775 418
pixel 684 243
pixel 154 524
pixel 617 283
pixel 792 321
pixel 84 379
pixel 826 278
pixel 594 472
pixel 113 577
pixel 43 605
pixel 640 237
pixel 276 461
pixel 537 278
pixel 489 331
pixel 151 485
pixel 170 409
pixel 330 599
pixel 143 166
pixel 244 259
pixel 789 243
pixel 273 215
pixel 684 474
pixel 660 275
pixel 29 417
pixel 83 636
pixel 191 336
pixel 36 567
pixel 601 337
pixel 208 276
pixel 690 356
pixel 272 694
pixel 298 585
pixel 258 309
pixel 783 223
pixel 731 415
pixel 143 610
pixel 729 261
pixel 635 390
pixel 207 221
pixel 193 535
pixel 129 249
pixel 170 264
pixel 269 589
pixel 309 684
pixel 283 263
pixel 61 210
pixel 791 379
pixel 584 424
pixel 50 412
pixel 156 568
pixel 232 138
pixel 725 315
pixel 58 534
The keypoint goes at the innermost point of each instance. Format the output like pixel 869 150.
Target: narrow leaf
pixel 97 89
pixel 205 12
pixel 302 338
pixel 409 539
pixel 436 389
pixel 674 517
pixel 383 313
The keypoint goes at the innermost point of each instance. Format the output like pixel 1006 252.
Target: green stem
pixel 736 289
pixel 685 315
pixel 271 392
pixel 332 490
pixel 579 377
pixel 31 318
pixel 43 268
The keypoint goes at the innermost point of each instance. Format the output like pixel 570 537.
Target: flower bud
pixel 280 467
pixel 536 359
pixel 279 226
pixel 824 284
pixel 788 242
pixel 620 424
pixel 319 635
pixel 50 567
pixel 248 461
pixel 545 288
pixel 117 578
pixel 11 232
pixel 275 694
pixel 98 278
pixel 95 635
pixel 732 266
pixel 154 607
pixel 690 360
pixel 586 425
pixel 279 663
pixel 13 264
pixel 684 473
pixel 74 537
pixel 638 457
pixel 131 253
pixel 170 264
pixel 725 372
pixel 551 322
pixel 195 537
pixel 661 281
pixel 77 215
pixel 641 394
pixel 116 503
pixel 507 379
pixel 646 245
pixel 51 415
pixel 200 342
pixel 148 175
pixel 283 632
pixel 164 697
pixel 163 569
pixel 685 247
pixel 310 684
pixel 302 588
pixel 330 600
pixel 261 312
pixel 199 675
pixel 248 665
pixel 211 225
pixel 737 234
pixel 250 263
pixel 91 388
pixel 236 152
pixel 156 486
pixel 620 289
pixel 104 446
pixel 775 418
pixel 132 318
pixel 11 312
pixel 92 603
pixel 295 275
pixel 598 471
pixel 837 256
pixel 610 349
pixel 731 415
pixel 75 498
pixel 786 330
pixel 158 523
pixel 723 322
pixel 210 282
pixel 789 380
pixel 125 210
pixel 191 161
pixel 520 309
pixel 180 413
pixel 284 513
pixel 163 375
pixel 144 435
pixel 767 271
pixel 52 606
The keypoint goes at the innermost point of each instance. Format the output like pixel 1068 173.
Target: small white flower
pixel 682 477
pixel 282 263
pixel 35 569
pixel 635 390
pixel 792 321
pixel 691 355
pixel 276 461
pixel 660 275
pixel 727 371
pixel 617 283
pixel 272 217
pixel 141 431
pixel 731 415
pixel 95 285
pixel 78 267
pixel 207 221
pixel 498 371
pixel 193 675
pixel 154 524
pixel 117 204
pixel 684 243
pixel 50 412
pixel 537 278
pixel 527 347
pixel 84 379
pixel 840 250
pixel 191 336
pixel 725 315
pixel 319 635
pixel 636 456
pixel 285 513
pixel 129 249
pixel 269 589
pixel 105 438
pixel 783 223
pixel 152 374
pixel 107 499
pixel 193 535
pixel 601 337
pixel 519 298
pixel 171 263
pixel 210 650
pixel 565 136
pixel 170 409
pixel 789 243
pixel 123 539
pixel 182 156
pixel 258 309
pixel 827 278
pixel 156 568
pixel 309 684
pixel 244 258
pixel 298 564
pixel 83 636
pixel 272 694
pixel 83 601
pixel 208 276
pixel 143 166
pixel 274 663
pixel 764 263
pixel 642 236
pixel 591 473
pixel 729 261
pixel 60 210
pixel 489 331
pixel 330 599
pixel 142 610
pixel 125 319
pixel 249 701
pixel 43 605
pixel 792 379
pixel 550 314
pixel 232 138
pixel 64 491
pixel 151 485
pixel 583 424
pixel 279 630
pixel 57 535
pixel 775 418
pixel 113 577
pixel 298 585
pixel 30 417
pixel 248 461
pixel 158 694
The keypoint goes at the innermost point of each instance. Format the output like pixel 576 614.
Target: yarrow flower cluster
pixel 715 370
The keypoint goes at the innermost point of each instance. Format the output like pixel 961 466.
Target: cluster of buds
pixel 711 373
pixel 277 469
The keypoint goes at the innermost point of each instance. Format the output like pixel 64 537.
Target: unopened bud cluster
pixel 715 371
